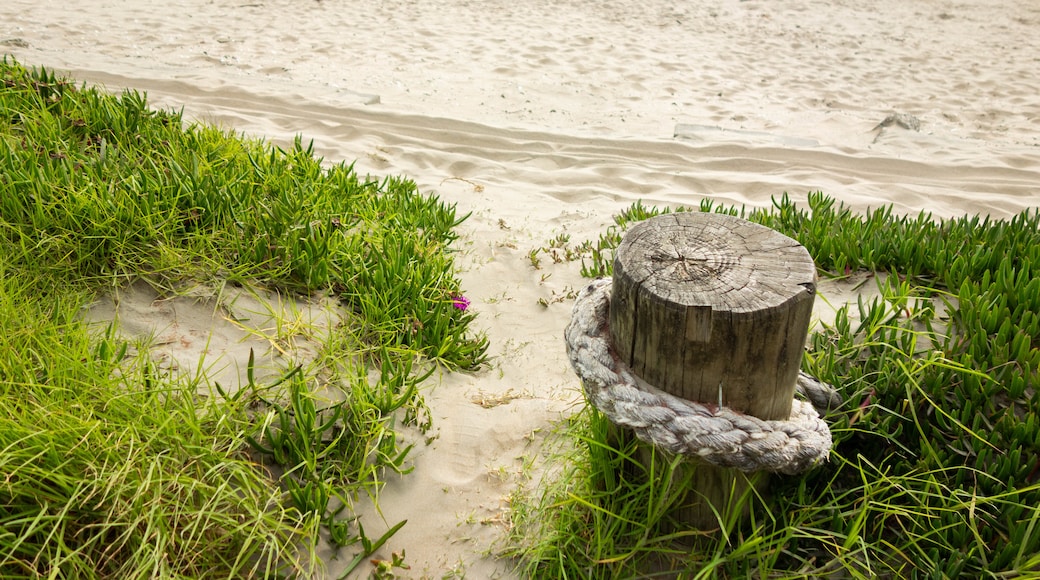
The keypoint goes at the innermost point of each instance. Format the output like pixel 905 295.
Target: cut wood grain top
pixel 715 260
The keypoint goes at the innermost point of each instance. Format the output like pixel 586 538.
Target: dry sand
pixel 543 118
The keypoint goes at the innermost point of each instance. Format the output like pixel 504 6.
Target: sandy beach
pixel 544 118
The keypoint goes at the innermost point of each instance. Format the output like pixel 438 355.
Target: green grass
pixel 935 471
pixel 111 466
pixel 93 486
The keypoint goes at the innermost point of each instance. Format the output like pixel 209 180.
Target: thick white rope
pixel 710 433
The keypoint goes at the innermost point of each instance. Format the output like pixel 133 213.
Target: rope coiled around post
pixel 708 432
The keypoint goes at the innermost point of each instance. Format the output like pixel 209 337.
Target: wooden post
pixel 711 307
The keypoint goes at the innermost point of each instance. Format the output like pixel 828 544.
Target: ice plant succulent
pixel 459 301
pixel 221 209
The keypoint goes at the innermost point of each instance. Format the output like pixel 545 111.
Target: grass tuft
pixel 93 487
pixel 111 466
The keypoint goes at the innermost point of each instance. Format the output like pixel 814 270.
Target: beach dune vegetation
pixel 112 466
pixel 935 469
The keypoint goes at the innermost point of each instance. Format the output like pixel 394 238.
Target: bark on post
pixel 710 308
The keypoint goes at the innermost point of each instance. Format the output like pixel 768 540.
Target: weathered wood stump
pixel 714 309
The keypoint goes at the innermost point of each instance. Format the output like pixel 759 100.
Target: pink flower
pixel 459 301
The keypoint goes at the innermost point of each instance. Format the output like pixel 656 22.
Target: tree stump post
pixel 714 309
